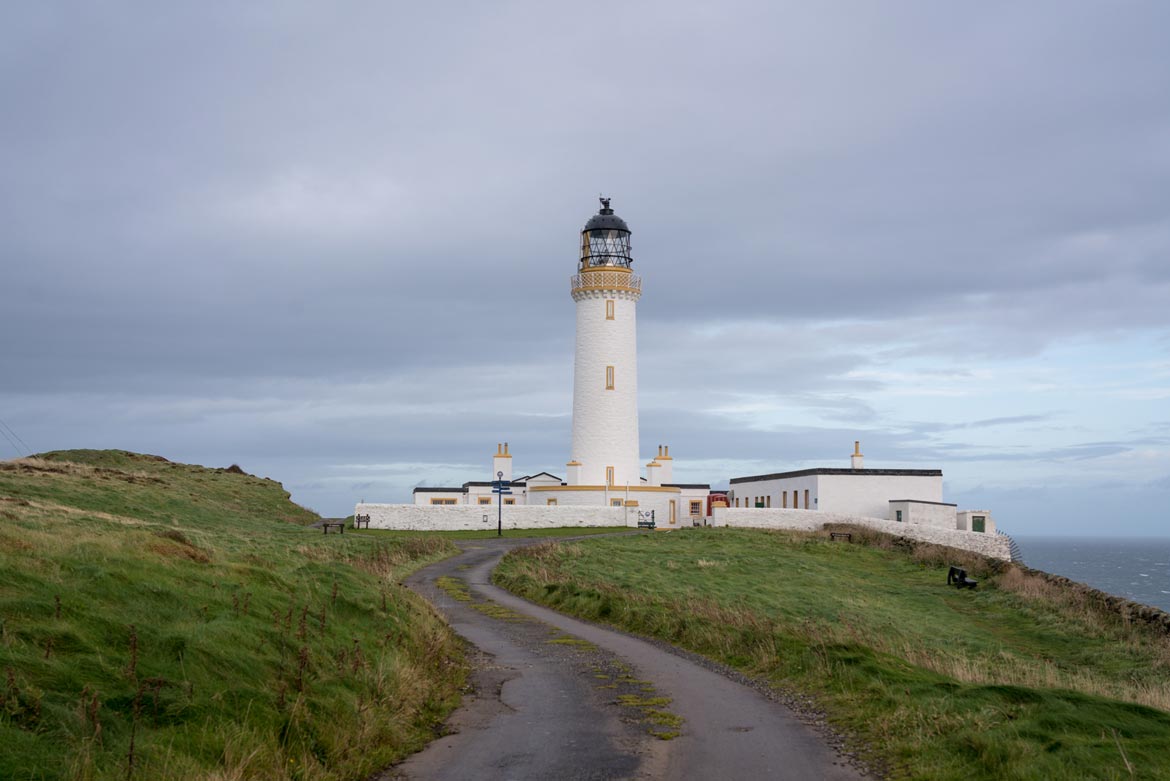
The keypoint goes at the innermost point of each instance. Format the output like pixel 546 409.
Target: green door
pixel 978 523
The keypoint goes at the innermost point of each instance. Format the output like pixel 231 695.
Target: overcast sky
pixel 332 242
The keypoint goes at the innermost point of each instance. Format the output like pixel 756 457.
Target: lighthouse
pixel 605 367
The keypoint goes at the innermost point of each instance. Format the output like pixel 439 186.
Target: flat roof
pixel 923 501
pixel 826 471
pixel 687 485
pixel 443 489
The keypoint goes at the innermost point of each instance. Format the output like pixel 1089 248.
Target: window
pixel 796 500
pixel 510 500
pixel 443 500
pixel 737 502
pixel 609 378
pixel 609 309
pixel 609 475
pixel 768 500
pixel 784 499
pixel 615 502
pixel 806 498
pixel 898 516
pixel 485 500
pixel 696 508
pixel 551 502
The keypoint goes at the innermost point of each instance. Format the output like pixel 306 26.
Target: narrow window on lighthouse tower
pixel 609 310
pixel 609 378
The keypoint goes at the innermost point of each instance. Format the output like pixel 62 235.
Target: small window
pixel 444 501
pixel 551 502
pixel 696 508
pixel 806 498
pixel 609 475
pixel 609 378
pixel 609 310
pixel 485 500
pixel 510 500
pixel 784 499
pixel 768 500
pixel 898 516
pixel 615 502
pixel 796 500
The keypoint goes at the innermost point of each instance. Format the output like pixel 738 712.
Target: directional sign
pixel 501 490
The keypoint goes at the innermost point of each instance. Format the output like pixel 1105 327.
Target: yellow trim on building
pixel 631 503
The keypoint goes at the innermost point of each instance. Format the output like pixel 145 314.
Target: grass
pixel 1019 679
pixel 162 620
pixel 484 534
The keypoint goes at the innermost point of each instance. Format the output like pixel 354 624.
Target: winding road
pixel 559 698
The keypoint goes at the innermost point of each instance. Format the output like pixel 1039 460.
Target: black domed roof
pixel 606 219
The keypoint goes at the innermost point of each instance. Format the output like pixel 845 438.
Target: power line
pixel 6 430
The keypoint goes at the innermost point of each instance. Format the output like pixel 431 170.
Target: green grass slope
pixel 161 620
pixel 1019 679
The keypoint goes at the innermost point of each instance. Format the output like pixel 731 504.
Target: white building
pixel 904 495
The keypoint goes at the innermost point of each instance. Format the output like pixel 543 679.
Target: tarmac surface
pixel 559 698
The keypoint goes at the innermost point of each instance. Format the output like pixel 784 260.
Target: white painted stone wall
pixel 941 516
pixel 413 517
pixel 993 545
pixel 605 422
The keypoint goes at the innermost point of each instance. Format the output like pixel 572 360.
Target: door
pixel 979 523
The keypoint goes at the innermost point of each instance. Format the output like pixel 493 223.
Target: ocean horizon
pixel 1136 568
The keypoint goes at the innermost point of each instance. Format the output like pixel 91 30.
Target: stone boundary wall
pixel 993 545
pixel 461 517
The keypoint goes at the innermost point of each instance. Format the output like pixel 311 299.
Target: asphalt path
pixel 552 700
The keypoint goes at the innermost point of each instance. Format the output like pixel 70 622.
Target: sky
pixel 332 243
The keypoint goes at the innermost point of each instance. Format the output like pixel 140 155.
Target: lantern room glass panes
pixel 605 247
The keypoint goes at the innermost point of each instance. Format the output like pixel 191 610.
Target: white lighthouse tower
pixel 605 370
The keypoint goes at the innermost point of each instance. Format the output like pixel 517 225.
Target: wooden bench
pixel 958 578
pixel 360 520
pixel 340 526
pixel 847 536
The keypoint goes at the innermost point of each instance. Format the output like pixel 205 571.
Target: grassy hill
pixel 1023 678
pixel 162 620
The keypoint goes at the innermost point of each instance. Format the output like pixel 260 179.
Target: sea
pixel 1134 568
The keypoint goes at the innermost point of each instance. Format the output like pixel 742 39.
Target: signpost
pixel 501 486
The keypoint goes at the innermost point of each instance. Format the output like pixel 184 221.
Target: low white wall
pixel 993 545
pixel 412 517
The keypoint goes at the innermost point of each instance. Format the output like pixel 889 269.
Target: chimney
pixel 856 460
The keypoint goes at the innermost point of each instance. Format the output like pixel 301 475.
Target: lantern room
pixel 605 241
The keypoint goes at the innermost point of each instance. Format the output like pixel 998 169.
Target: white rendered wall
pixel 605 422
pixel 774 488
pixel 870 495
pixel 993 545
pixel 851 494
pixel 963 520
pixel 941 516
pixel 424 497
pixel 412 517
